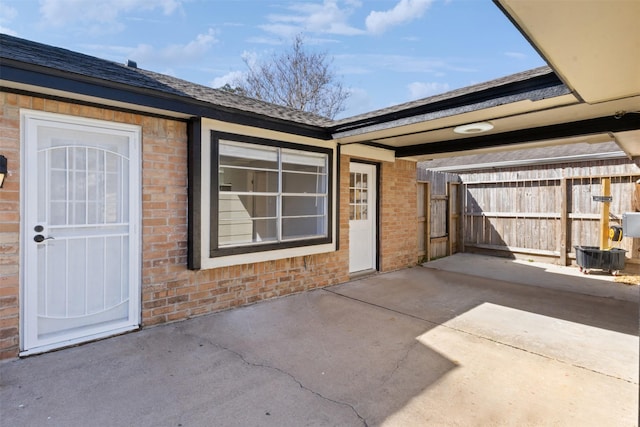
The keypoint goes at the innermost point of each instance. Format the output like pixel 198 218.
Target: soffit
pixel 513 118
pixel 442 127
pixel 629 142
pixel 593 46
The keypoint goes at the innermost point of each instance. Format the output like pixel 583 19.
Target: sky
pixel 384 52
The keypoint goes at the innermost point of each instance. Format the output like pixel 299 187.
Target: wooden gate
pixel 439 220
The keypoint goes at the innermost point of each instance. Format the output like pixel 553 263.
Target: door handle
pixel 39 238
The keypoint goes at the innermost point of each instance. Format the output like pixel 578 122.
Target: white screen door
pixel 362 217
pixel 81 197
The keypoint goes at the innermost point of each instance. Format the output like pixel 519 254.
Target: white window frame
pixel 255 253
pixel 280 157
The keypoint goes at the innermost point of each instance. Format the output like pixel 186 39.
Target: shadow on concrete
pixel 307 359
pixel 413 347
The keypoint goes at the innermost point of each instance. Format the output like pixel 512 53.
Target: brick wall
pixel 398 213
pixel 170 291
pixel 10 224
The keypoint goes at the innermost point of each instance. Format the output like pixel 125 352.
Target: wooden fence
pixel 544 217
pixel 535 211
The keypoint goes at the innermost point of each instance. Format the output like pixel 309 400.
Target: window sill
pixel 253 257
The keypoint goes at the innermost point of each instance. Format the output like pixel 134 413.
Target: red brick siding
pixel 398 212
pixel 170 291
pixel 10 223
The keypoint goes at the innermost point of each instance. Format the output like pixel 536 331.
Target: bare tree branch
pixel 297 78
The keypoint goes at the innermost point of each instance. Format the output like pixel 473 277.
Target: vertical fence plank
pixel 564 222
pixel 450 220
pixel 427 220
pixel 420 216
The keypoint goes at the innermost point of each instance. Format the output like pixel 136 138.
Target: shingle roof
pixel 514 78
pixel 552 154
pixel 76 65
pixel 67 61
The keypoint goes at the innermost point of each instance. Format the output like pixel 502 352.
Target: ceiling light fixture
pixel 473 128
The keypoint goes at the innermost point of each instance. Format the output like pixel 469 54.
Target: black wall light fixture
pixel 3 169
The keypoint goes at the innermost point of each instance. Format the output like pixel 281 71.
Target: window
pixel 358 196
pixel 268 195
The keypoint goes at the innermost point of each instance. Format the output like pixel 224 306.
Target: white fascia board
pixel 367 152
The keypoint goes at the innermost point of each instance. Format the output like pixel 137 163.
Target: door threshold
pixel 362 273
pixel 62 345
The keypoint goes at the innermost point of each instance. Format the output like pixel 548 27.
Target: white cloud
pixel 282 30
pixel 7 14
pixel 404 11
pixel 153 58
pixel 328 17
pixel 62 12
pixel 516 55
pixel 419 90
pixel 230 78
pixel 8 31
pixel 250 58
pixel 194 48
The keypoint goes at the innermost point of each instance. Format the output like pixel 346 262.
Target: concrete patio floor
pixel 418 347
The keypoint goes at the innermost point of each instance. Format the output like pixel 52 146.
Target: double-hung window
pixel 268 195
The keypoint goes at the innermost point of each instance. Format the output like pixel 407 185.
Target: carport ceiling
pixel 592 48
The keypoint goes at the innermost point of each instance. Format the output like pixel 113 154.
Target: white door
pixel 81 193
pixel 362 217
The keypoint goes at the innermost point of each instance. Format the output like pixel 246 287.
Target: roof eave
pixel 611 155
pixel 541 86
pixel 38 76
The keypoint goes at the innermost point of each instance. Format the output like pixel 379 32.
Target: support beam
pixel 600 125
pixel 604 218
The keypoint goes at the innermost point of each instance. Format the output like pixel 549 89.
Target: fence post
pixel 463 216
pixel 427 220
pixel 454 215
pixel 565 231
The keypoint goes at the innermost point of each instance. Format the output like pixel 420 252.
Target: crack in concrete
pixel 261 365
pixel 400 362
pixel 479 336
